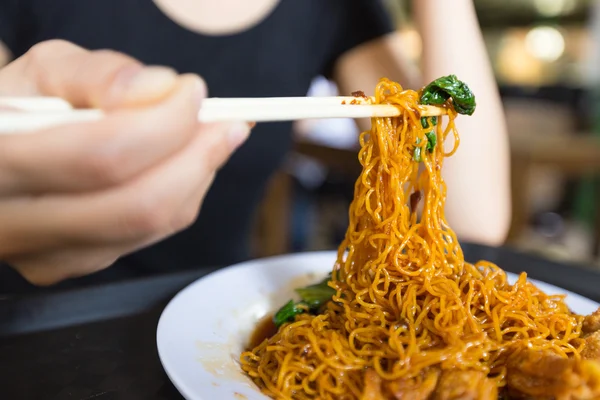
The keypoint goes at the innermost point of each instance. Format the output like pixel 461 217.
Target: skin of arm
pixel 478 176
pixel 4 55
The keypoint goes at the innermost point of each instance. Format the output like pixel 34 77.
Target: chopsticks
pixel 23 114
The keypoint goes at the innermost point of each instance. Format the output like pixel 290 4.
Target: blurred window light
pixel 514 64
pixel 554 8
pixel 545 43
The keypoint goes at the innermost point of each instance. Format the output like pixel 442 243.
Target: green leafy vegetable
pixel 316 295
pixel 439 92
pixel 431 140
pixel 446 87
pixel 417 154
pixel 425 122
pixel 312 297
pixel 287 313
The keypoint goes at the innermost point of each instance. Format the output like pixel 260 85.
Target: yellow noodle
pixel 406 299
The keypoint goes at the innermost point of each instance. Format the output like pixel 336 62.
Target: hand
pixel 75 198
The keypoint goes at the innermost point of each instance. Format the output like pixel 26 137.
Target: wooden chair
pixel 542 136
pixel 273 223
pixel 272 235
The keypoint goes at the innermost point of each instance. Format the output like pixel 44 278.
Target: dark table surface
pixel 98 342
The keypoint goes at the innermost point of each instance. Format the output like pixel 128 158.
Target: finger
pixel 211 149
pixel 93 156
pixel 168 199
pixel 50 267
pixel 102 79
pixel 162 201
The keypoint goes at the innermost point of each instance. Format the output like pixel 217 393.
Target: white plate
pixel 203 330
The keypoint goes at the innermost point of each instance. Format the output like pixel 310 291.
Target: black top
pixel 300 40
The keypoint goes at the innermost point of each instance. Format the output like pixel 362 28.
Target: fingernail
pixel 145 84
pixel 238 133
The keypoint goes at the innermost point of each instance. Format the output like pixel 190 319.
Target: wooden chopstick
pixel 27 114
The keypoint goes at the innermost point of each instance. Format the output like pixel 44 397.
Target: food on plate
pixel 403 315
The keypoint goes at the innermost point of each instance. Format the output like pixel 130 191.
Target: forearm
pixel 478 179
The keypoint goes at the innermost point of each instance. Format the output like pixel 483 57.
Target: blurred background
pixel 546 56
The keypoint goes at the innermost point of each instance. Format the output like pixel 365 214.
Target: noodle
pixel 406 301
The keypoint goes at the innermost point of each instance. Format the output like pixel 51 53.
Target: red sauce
pixel 359 93
pixel 264 330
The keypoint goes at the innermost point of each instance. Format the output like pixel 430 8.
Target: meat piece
pixel 419 388
pixel 359 93
pixel 591 349
pixel 372 389
pixel 465 385
pixel 415 198
pixel 543 375
pixel 591 323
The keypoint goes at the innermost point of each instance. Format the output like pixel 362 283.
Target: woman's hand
pixel 75 198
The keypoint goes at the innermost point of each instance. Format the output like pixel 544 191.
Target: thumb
pixel 96 79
